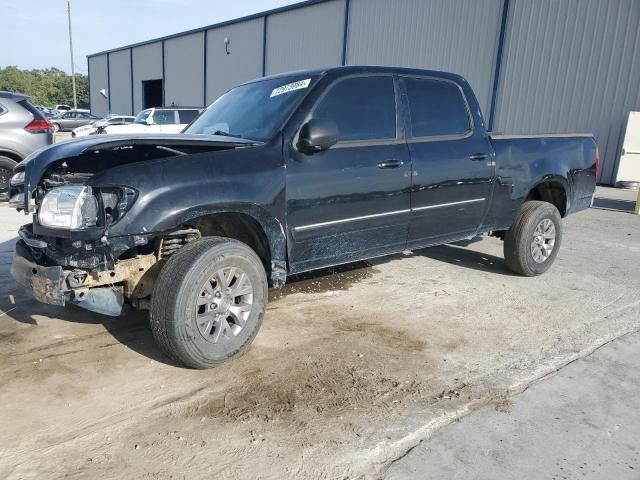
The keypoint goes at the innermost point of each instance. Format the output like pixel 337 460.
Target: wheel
pixel 208 302
pixel 532 243
pixel 56 127
pixel 6 172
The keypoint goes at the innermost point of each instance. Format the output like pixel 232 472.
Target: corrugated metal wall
pixel 566 65
pixel 571 66
pixel 459 36
pixel 99 81
pixel 120 81
pixel 184 70
pixel 147 65
pixel 306 37
pixel 244 61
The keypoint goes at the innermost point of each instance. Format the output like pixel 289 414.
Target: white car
pixel 156 120
pixel 92 128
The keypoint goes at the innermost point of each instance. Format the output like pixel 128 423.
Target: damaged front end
pixel 68 254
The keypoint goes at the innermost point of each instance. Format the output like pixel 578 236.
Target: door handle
pixel 390 164
pixel 478 157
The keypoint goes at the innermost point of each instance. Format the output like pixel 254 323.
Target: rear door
pixel 352 200
pixel 164 121
pixel 452 162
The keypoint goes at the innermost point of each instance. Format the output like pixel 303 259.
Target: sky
pixel 35 32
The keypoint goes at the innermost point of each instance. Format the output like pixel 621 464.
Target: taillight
pixel 38 125
pixel 597 160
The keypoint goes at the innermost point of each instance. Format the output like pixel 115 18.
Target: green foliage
pixel 46 87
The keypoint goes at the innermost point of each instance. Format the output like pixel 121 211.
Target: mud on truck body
pixel 282 175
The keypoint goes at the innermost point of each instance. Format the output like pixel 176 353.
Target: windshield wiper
pixel 226 134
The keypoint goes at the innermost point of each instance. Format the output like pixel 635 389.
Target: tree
pixel 47 87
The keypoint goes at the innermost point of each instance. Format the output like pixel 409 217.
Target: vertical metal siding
pixel 99 81
pixel 184 70
pixel 306 37
pixel 147 65
pixel 244 61
pixel 120 81
pixel 453 35
pixel 572 66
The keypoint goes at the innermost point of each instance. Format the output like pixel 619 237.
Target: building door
pixel 152 93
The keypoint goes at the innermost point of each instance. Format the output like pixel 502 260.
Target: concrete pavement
pixel 581 423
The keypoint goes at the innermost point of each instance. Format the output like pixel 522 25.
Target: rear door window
pixel 363 108
pixel 164 117
pixel 186 116
pixel 437 108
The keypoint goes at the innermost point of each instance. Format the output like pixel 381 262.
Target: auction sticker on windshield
pixel 290 87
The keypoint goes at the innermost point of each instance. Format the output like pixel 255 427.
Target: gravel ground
pixel 350 370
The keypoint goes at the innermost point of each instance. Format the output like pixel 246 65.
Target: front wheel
pixel 532 243
pixel 56 127
pixel 208 302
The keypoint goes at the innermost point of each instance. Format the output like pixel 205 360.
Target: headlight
pixel 71 207
pixel 17 179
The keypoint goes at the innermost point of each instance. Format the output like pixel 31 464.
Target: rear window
pixel 186 116
pixel 27 105
pixel 437 108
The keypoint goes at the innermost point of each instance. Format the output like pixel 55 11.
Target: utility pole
pixel 73 70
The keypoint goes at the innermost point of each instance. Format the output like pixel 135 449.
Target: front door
pixel 351 201
pixel 452 162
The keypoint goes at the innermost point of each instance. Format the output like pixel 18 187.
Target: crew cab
pixel 154 120
pixel 282 175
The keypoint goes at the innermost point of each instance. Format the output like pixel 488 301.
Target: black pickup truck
pixel 282 175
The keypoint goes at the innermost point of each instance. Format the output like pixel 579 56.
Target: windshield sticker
pixel 300 84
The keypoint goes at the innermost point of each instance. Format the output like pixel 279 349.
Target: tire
pixel 180 324
pixel 56 128
pixel 526 249
pixel 6 172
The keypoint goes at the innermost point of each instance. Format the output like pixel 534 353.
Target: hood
pixel 37 163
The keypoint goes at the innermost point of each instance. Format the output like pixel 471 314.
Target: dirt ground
pixel 349 371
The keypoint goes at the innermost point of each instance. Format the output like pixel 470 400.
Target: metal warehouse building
pixel 537 66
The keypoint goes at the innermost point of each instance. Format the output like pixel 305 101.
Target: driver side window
pixel 363 108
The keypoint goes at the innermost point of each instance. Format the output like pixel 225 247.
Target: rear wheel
pixel 56 127
pixel 208 302
pixel 532 243
pixel 6 172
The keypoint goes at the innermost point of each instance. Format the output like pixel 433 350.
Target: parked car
pixel 156 120
pixel 23 129
pixel 60 108
pixel 72 119
pixel 92 128
pixel 283 175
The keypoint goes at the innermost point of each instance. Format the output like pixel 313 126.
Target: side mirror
pixel 317 135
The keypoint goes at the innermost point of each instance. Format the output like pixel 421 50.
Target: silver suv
pixel 23 129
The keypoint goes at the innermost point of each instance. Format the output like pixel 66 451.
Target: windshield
pixel 142 116
pixel 254 111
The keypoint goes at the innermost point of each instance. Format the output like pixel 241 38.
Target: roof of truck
pixel 355 69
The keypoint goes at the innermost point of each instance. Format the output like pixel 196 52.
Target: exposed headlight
pixel 17 179
pixel 71 207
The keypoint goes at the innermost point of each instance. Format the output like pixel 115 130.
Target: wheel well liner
pixel 13 156
pixel 551 191
pixel 247 229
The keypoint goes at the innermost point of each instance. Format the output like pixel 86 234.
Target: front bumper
pixel 54 285
pixel 46 284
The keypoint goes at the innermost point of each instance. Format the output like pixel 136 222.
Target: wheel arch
pixel 11 155
pixel 249 224
pixel 554 190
